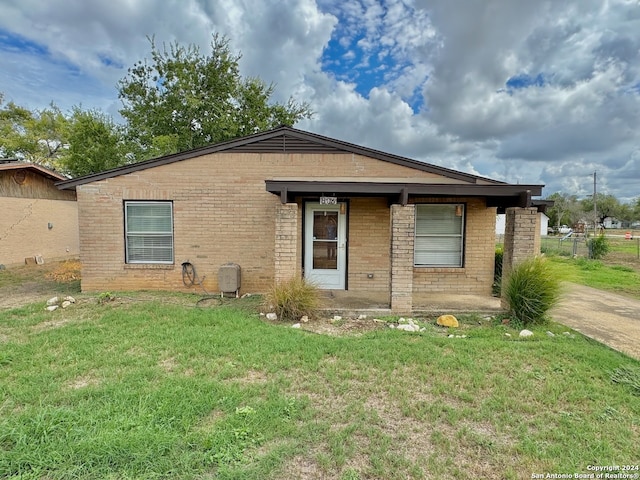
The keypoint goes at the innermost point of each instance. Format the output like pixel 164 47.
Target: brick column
pixel 521 238
pixel 286 246
pixel 402 240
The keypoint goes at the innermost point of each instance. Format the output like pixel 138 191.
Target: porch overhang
pixel 500 195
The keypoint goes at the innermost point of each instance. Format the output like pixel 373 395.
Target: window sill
pixel 418 268
pixel 149 266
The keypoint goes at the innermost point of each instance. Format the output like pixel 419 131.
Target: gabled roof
pixel 282 139
pixel 13 164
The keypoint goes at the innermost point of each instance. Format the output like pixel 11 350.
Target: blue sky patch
pixel 15 43
pixel 524 80
pixel 107 61
pixel 348 62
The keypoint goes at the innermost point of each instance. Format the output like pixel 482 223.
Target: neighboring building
pixel 542 219
pixel 288 203
pixel 38 220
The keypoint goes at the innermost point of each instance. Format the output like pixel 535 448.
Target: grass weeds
pixel 293 299
pixel 621 279
pixel 155 389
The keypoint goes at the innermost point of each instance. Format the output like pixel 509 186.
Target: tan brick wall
pixel 402 242
pixel 521 239
pixel 286 242
pixel 222 213
pixel 369 245
pixel 476 276
pixel 24 229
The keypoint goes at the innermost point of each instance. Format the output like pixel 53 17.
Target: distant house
pixel 288 203
pixel 38 219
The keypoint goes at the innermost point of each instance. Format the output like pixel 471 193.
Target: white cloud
pixel 421 78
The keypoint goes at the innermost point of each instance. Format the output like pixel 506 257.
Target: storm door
pixel 325 257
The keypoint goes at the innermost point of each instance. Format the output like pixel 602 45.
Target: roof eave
pixel 497 195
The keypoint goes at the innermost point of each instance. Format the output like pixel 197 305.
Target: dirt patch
pixel 343 326
pixel 26 284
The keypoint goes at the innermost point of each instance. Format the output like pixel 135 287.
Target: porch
pixel 344 302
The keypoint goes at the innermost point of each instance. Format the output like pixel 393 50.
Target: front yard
pixel 153 386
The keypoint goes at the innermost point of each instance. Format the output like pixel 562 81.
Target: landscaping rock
pixel 53 301
pixel 408 327
pixel 362 317
pixel 337 318
pixel 296 325
pixel 447 321
pixel 272 316
pixel 551 334
pixel 304 319
pixel 507 334
pixel 526 333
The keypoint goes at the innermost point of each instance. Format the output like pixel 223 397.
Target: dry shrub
pixel 292 299
pixel 66 271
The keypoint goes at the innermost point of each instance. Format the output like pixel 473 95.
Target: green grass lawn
pixel 162 389
pixel 621 279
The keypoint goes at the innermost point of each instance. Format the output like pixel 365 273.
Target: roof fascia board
pixel 286 131
pixel 414 189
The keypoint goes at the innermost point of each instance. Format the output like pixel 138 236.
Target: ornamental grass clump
pixel 293 299
pixel 531 290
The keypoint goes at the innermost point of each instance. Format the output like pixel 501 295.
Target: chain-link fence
pixel 621 249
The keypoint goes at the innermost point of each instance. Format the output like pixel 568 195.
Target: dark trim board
pixel 502 195
pixel 280 140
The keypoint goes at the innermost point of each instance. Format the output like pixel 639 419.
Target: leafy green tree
pixel 96 143
pixel 606 206
pixel 37 137
pixel 183 99
pixel 565 210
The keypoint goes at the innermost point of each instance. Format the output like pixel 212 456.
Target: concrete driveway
pixel 606 317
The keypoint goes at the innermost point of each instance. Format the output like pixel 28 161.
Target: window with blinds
pixel 149 232
pixel 439 235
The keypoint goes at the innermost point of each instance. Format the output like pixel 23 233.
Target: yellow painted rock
pixel 447 321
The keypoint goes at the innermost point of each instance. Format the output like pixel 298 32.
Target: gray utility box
pixel 229 279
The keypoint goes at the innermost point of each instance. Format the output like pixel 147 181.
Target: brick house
pixel 37 220
pixel 287 203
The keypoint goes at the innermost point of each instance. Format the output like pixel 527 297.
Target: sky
pixel 530 92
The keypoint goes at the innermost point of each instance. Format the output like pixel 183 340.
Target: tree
pixel 37 137
pixel 183 100
pixel 96 143
pixel 636 209
pixel 606 206
pixel 565 210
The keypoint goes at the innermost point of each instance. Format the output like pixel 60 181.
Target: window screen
pixel 439 235
pixel 149 232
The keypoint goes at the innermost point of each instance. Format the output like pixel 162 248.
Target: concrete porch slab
pixel 351 303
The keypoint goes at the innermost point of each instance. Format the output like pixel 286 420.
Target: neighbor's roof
pixel 282 139
pixel 13 164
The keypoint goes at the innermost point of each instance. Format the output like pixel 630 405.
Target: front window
pixel 439 235
pixel 149 232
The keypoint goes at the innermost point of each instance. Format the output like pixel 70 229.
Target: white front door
pixel 325 257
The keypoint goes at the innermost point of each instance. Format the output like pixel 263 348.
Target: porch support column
pixel 521 239
pixel 286 241
pixel 402 240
